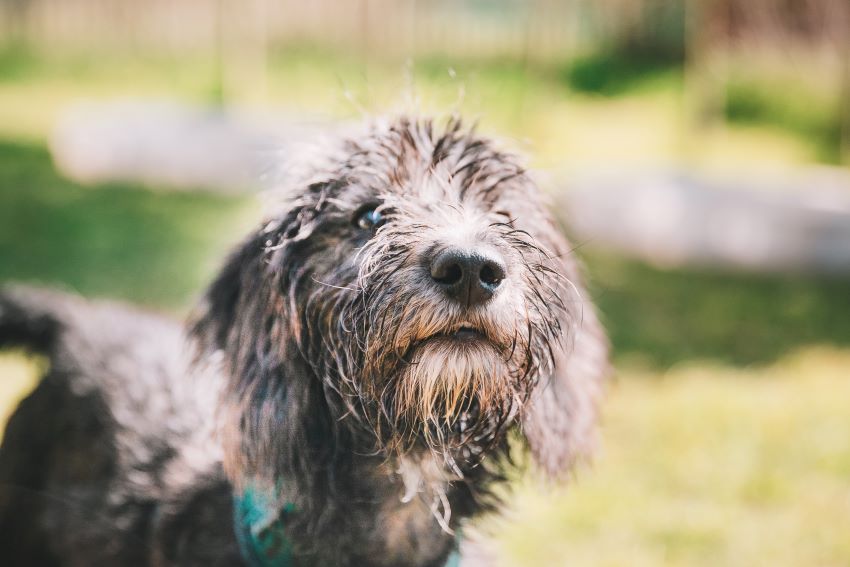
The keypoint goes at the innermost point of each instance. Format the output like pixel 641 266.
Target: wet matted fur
pixel 335 367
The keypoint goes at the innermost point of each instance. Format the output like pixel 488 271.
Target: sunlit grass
pixel 18 376
pixel 705 465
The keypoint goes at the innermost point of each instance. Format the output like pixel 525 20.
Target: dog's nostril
pixel 446 273
pixel 491 274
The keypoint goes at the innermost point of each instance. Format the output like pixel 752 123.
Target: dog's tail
pixel 32 318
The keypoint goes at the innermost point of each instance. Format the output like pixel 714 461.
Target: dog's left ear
pixel 559 424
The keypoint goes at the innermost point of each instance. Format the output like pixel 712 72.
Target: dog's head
pixel 414 288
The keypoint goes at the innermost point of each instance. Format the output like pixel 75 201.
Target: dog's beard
pixel 449 395
pixel 427 372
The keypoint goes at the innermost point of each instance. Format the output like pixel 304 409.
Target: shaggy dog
pixel 344 393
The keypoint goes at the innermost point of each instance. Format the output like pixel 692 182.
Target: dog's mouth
pixel 461 336
pixel 468 333
pixel 464 335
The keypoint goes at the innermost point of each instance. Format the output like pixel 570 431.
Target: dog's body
pixel 110 461
pixel 344 394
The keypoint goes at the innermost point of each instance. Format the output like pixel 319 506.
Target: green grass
pixel 115 240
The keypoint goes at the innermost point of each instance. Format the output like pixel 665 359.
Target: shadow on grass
pixel 110 240
pixel 661 317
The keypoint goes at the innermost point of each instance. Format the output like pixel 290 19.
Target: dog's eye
pixel 368 218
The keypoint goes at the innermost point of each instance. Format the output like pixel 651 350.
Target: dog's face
pixel 428 288
pixel 420 279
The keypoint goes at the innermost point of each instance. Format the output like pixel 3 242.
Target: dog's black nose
pixel 469 276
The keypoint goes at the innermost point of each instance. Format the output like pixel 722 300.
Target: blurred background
pixel 697 151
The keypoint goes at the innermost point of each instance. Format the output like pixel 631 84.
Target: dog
pixel 346 393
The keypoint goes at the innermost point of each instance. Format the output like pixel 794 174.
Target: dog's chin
pixel 451 382
pixel 465 358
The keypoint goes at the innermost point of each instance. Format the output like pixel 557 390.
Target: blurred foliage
pixel 16 62
pixel 790 105
pixel 615 72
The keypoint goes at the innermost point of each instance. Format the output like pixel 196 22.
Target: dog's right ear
pixel 240 284
pixel 216 316
pixel 271 409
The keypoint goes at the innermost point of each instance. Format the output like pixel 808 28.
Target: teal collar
pixel 260 520
pixel 454 558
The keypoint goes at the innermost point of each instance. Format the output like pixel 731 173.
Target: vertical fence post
pixel 844 88
pixel 15 15
pixel 705 62
pixel 217 87
pixel 260 51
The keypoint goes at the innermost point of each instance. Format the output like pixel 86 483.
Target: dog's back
pixel 110 461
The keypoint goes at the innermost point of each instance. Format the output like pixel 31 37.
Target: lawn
pixel 123 241
pixel 705 465
pixel 726 435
